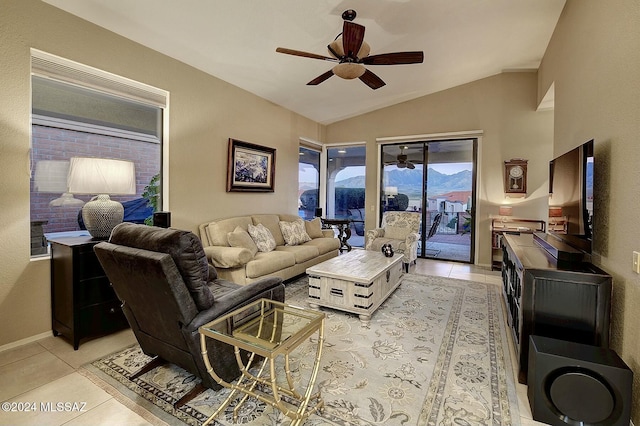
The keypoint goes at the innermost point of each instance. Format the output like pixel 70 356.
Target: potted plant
pixel 151 195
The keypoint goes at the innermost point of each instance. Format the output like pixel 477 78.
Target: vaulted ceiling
pixel 236 41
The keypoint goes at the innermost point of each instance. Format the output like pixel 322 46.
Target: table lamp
pixel 104 177
pixel 555 211
pixel 391 191
pixel 51 176
pixel 505 211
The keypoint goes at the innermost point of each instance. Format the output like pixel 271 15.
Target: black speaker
pixel 318 211
pixel 162 219
pixel 576 384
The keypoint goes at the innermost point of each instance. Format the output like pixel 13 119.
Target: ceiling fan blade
pixel 372 80
pixel 320 78
pixel 401 165
pixel 352 36
pixel 304 54
pixel 411 166
pixel 397 58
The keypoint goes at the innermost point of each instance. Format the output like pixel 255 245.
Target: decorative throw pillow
pixel 314 228
pixel 241 238
pixel 396 232
pixel 294 233
pixel 262 237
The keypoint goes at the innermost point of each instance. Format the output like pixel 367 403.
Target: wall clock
pixel 515 176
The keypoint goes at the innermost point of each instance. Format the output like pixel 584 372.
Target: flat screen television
pixel 571 189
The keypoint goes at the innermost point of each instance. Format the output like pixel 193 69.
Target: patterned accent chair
pixel 401 230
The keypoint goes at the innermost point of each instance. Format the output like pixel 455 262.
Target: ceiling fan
pixel 351 53
pixel 402 161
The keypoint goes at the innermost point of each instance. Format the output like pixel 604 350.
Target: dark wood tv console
pixel 562 300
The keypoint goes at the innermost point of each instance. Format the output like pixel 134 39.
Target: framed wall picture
pixel 250 167
pixel 515 176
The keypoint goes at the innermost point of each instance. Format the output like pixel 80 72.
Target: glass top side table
pixel 268 329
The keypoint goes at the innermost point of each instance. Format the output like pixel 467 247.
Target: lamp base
pixel 101 215
pixel 66 200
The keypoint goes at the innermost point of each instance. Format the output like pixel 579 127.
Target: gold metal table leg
pixel 300 414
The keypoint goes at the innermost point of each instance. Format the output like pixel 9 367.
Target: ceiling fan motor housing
pixel 336 49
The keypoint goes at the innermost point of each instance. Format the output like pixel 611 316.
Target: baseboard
pixel 25 341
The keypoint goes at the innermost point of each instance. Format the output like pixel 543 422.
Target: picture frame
pixel 250 167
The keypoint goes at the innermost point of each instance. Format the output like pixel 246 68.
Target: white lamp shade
pixel 51 176
pixel 391 190
pixel 101 176
pixel 505 211
pixel 555 211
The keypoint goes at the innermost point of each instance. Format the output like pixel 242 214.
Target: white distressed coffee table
pixel 357 282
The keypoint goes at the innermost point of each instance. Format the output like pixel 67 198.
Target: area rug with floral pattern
pixel 435 353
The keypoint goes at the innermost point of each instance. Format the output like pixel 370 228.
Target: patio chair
pixel 432 232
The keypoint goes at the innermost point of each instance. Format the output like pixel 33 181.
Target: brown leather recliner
pixel 168 290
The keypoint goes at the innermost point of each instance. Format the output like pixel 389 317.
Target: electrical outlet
pixel 636 262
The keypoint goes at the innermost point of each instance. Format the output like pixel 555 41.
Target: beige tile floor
pixel 45 371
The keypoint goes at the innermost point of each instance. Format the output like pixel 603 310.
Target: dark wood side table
pixel 344 231
pixel 83 302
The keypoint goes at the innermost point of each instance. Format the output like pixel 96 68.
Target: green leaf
pixel 376 409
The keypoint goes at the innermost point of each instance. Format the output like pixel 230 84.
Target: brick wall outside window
pixel 51 143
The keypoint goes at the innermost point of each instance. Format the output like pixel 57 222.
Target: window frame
pixel 48 66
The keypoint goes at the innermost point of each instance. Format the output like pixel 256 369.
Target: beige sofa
pixel 236 258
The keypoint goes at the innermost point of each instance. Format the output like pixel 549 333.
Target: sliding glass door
pixel 308 182
pixel 437 180
pixel 345 189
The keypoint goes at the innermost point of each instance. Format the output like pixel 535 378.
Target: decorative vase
pixel 387 250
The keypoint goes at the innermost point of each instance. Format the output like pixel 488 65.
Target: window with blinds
pixel 81 111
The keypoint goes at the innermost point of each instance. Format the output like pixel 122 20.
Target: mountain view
pixel 409 181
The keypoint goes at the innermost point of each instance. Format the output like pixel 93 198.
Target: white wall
pixel 593 60
pixel 504 108
pixel 204 113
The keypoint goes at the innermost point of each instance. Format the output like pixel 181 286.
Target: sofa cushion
pixel 268 263
pixel 271 222
pixel 294 233
pixel 217 231
pixel 228 257
pixel 185 249
pixel 324 245
pixel 289 217
pixel 301 253
pixel 241 238
pixel 314 228
pixel 262 237
pixel 399 246
pixel 396 232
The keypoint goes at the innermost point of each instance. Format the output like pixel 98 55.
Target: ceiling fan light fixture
pixel 349 70
pixel 336 47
